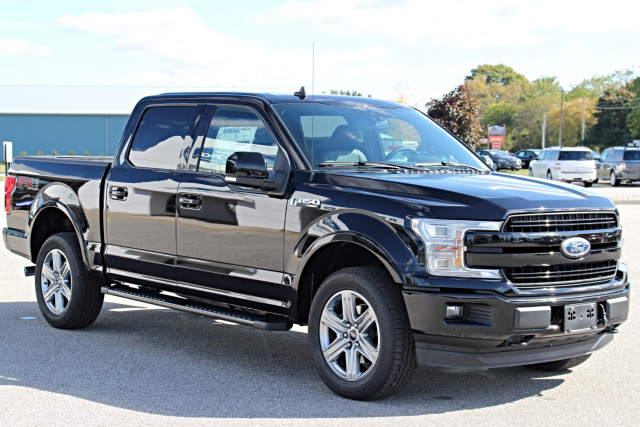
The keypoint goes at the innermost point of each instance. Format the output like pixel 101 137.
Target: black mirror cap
pixel 245 164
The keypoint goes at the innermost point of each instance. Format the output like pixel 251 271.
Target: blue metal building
pixel 67 119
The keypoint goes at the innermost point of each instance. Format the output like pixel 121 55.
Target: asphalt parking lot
pixel 147 366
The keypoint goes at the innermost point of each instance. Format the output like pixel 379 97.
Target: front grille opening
pixel 545 223
pixel 532 277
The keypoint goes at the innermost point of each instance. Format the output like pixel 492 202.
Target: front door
pixel 230 239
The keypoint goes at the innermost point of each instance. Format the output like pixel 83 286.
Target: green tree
pixel 500 114
pixel 633 118
pixel 599 86
pixel 501 74
pixel 459 112
pixel 346 92
pixel 612 111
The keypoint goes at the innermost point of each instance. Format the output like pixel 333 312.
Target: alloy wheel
pixel 349 335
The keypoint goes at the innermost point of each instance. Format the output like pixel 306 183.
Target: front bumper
pixel 496 331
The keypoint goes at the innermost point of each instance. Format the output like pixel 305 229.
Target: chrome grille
pixel 591 273
pixel 546 223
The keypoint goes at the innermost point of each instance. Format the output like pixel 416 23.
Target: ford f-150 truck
pixel 361 218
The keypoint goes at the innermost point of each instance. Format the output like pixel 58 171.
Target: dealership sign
pixel 496 131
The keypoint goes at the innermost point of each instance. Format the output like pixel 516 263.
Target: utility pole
pixel 584 101
pixel 544 129
pixel 560 128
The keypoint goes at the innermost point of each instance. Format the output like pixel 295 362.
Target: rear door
pixel 141 193
pixel 230 239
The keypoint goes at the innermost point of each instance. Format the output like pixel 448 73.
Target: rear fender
pixel 64 200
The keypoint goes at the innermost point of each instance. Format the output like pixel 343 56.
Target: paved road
pixel 146 366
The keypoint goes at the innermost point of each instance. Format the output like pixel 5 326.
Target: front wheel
pixel 559 365
pixel 68 296
pixel 530 172
pixel 360 337
pixel 549 176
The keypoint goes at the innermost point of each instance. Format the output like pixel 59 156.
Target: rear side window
pixel 160 136
pixel 575 155
pixel 632 155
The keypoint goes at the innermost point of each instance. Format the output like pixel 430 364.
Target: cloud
pixel 21 47
pixel 190 53
pixel 457 23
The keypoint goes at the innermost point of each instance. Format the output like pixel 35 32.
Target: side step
pixel 268 323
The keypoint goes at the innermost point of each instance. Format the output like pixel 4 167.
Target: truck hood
pixel 492 196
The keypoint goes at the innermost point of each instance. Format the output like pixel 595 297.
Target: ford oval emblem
pixel 575 248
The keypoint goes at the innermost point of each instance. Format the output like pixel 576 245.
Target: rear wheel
pixel 614 179
pixel 588 183
pixel 549 176
pixel 360 337
pixel 559 365
pixel 68 296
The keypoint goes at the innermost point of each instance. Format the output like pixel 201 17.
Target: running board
pixel 274 323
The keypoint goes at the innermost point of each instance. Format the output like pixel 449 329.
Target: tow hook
pixel 516 342
pixel 30 271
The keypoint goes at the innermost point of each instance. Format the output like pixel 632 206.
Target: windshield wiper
pixel 452 164
pixel 382 165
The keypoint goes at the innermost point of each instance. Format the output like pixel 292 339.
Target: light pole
pixel 560 127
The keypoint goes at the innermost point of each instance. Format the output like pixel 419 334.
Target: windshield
pixel 348 135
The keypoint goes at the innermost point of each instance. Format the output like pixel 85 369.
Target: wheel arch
pixel 333 253
pixel 48 216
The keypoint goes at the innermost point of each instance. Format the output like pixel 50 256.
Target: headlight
pixel 444 243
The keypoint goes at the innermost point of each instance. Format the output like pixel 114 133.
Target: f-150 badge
pixel 311 203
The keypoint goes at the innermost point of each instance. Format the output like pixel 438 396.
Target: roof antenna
pixel 302 94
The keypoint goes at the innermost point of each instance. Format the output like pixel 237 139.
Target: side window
pixel 542 155
pixel 232 130
pixel 603 156
pixel 160 136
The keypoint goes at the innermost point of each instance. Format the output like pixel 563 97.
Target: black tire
pixel 68 296
pixel 549 176
pixel 615 182
pixel 370 289
pixel 588 184
pixel 530 172
pixel 559 365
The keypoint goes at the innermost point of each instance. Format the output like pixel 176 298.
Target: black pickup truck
pixel 360 218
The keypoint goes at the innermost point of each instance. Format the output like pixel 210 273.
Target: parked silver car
pixel 619 164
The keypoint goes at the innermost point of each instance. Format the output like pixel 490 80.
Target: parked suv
pixel 568 164
pixel 502 159
pixel 619 164
pixel 526 156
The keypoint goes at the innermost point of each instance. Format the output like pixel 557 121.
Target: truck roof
pixel 282 98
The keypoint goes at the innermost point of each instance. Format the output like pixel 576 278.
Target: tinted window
pixel 575 155
pixel 603 156
pixel 232 130
pixel 160 136
pixel 632 155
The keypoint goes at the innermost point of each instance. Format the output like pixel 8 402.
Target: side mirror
pixel 249 169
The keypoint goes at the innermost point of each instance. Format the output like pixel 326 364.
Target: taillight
pixel 9 185
pixel 593 166
pixel 623 166
pixel 558 166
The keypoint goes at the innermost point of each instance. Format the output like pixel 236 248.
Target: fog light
pixel 453 312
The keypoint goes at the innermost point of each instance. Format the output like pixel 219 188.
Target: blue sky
pixel 375 46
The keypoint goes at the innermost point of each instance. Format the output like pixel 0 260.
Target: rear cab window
pixel 162 135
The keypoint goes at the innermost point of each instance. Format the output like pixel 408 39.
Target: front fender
pixel 389 243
